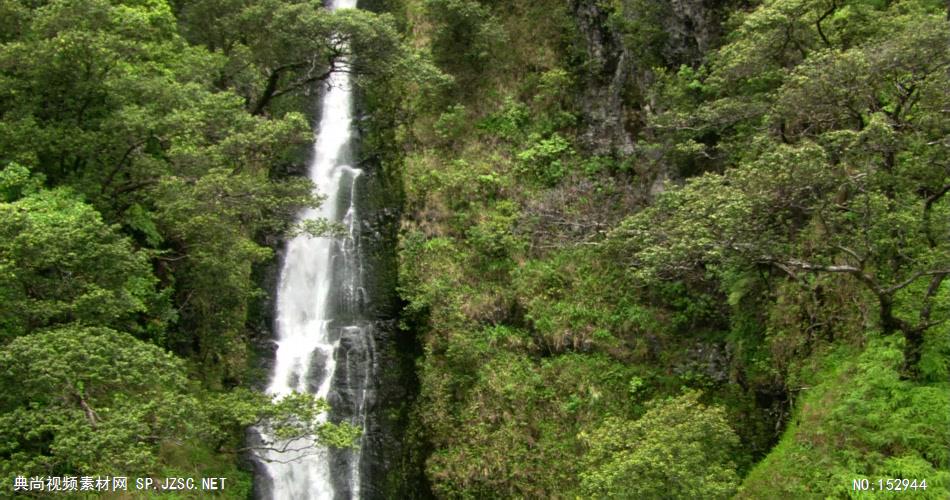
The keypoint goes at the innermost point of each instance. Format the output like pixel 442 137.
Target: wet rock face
pixel 612 72
pixel 262 481
pixel 354 382
pixel 693 28
pixel 318 371
pixel 353 399
pixel 376 369
pixel 368 383
pixel 709 360
pixel 607 73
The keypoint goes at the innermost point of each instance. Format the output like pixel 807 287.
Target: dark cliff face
pixel 380 346
pixel 615 76
pixel 606 72
pixel 693 28
pixel 391 465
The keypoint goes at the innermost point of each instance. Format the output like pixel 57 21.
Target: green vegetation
pixel 680 250
pixel 649 249
pixel 860 420
pixel 679 448
pixel 144 151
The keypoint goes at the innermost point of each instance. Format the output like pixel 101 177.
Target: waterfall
pixel 324 346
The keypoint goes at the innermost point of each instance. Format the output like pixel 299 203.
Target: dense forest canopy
pixel 702 246
pixel 142 152
pixel 648 248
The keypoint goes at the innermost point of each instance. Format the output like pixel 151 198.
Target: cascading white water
pixel 318 299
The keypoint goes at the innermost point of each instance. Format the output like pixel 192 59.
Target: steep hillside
pixel 679 248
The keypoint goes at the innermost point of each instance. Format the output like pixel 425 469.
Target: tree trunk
pixel 268 93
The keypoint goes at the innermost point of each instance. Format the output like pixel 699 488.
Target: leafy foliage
pixel 89 400
pixel 773 233
pixel 60 263
pixel 466 38
pixel 144 151
pixel 782 200
pixel 861 420
pixel 678 448
pixel 94 401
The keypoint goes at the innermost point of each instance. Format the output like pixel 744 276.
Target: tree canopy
pixel 60 263
pixel 146 152
pixel 679 448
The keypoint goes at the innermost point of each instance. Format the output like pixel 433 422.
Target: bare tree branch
pixel 914 277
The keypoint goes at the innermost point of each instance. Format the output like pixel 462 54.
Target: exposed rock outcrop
pixel 613 80
pixel 607 72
